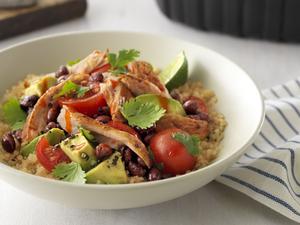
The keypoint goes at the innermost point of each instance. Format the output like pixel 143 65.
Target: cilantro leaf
pixel 73 62
pixel 118 62
pixel 142 114
pixel 191 142
pixel 81 91
pixel 87 134
pixel 13 113
pixel 70 88
pixel 70 172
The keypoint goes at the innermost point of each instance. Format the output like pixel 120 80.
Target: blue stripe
pixel 258 149
pixel 292 156
pixel 266 139
pixel 249 156
pixel 263 193
pixel 293 107
pixel 297 82
pixel 274 93
pixel 275 128
pixel 287 90
pixel 284 117
pixel 273 177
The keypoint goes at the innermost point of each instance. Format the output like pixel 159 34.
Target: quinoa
pixel 30 164
pixel 211 145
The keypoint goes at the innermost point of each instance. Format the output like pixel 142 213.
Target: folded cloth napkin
pixel 269 171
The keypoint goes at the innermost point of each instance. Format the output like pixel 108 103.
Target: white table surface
pixel 267 63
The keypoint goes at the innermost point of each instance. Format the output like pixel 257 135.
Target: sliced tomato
pixel 87 105
pixel 123 127
pixel 171 153
pixel 49 156
pixel 102 69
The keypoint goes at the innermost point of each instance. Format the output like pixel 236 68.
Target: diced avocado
pixel 54 136
pixel 110 171
pixel 79 150
pixel 169 104
pixel 40 86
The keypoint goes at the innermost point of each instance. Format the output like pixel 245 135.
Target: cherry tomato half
pixel 49 156
pixel 171 153
pixel 102 69
pixel 123 127
pixel 87 105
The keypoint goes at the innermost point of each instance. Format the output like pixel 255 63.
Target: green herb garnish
pixel 118 62
pixel 191 142
pixel 141 114
pixel 13 113
pixel 73 62
pixel 71 172
pixel 70 88
pixel 87 134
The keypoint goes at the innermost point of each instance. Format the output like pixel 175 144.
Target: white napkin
pixel 269 171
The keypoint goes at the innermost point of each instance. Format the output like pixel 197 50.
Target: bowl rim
pixel 50 181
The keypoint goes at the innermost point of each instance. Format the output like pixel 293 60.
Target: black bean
pixel 96 77
pixel 141 162
pixel 28 102
pixel 200 116
pixel 17 134
pixel 62 70
pixel 145 132
pixel 62 78
pixel 51 125
pixel 104 111
pixel 127 155
pixel 136 170
pixel 103 119
pixel 191 106
pixel 147 138
pixel 103 151
pixel 52 114
pixel 8 142
pixel 154 174
pixel 174 94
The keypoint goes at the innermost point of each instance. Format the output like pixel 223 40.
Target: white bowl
pixel 239 100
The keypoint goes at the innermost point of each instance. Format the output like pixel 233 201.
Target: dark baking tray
pixel 277 20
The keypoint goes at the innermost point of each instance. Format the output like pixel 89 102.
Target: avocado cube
pixel 54 136
pixel 40 86
pixel 110 171
pixel 79 150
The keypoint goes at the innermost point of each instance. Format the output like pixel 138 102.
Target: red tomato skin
pixel 171 153
pixel 102 69
pixel 48 157
pixel 88 106
pixel 123 127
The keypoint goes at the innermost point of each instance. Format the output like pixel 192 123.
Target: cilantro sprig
pixel 191 142
pixel 118 62
pixel 71 172
pixel 141 114
pixel 70 88
pixel 13 113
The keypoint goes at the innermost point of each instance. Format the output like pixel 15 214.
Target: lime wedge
pixel 176 73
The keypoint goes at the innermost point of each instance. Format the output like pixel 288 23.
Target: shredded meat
pixel 191 126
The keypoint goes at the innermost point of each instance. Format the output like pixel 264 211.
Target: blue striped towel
pixel 269 171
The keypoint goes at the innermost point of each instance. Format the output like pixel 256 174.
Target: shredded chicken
pixel 191 126
pixel 90 63
pixel 139 86
pixel 115 94
pixel 70 120
pixel 144 70
pixel 37 119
